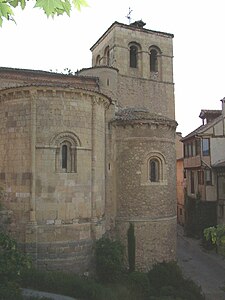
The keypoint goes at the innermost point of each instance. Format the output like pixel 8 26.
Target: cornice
pixel 19 92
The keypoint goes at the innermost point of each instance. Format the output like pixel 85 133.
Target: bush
pixel 165 274
pixel 12 262
pixel 139 284
pixel 109 260
pixel 71 285
pixel 10 291
pixel 166 280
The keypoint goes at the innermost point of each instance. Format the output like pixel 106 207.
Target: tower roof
pixel 137 25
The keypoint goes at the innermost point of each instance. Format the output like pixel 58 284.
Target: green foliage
pixel 131 247
pixel 109 260
pixel 72 285
pixel 166 280
pixel 50 7
pixel 139 284
pixel 10 291
pixel 216 236
pixel 12 262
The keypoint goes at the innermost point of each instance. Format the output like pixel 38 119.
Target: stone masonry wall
pixel 57 212
pixel 157 96
pixel 150 206
pixel 15 158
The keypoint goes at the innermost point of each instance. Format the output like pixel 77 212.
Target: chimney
pixel 223 106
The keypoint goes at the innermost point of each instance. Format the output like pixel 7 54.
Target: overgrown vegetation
pixel 164 282
pixel 12 262
pixel 216 236
pixel 109 260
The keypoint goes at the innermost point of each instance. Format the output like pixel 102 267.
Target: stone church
pixel 87 155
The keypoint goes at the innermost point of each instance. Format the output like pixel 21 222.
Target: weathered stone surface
pixel 110 120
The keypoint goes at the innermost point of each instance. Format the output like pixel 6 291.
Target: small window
pixel 154 170
pixel 208 177
pixel 192 182
pixel 67 162
pixel 98 60
pixel 200 177
pixel 190 150
pixel 64 157
pixel 153 60
pixel 133 56
pixel 205 147
pixel 107 60
pixel 66 145
pixel 197 146
pixel 185 150
pixel 193 148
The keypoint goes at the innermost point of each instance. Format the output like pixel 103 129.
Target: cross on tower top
pixel 128 16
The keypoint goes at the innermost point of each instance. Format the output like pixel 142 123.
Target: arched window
pixel 107 60
pixel 64 156
pixel 66 144
pixel 133 56
pixel 98 60
pixel 67 157
pixel 153 60
pixel 154 170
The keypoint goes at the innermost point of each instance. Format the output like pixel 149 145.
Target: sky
pixel 41 43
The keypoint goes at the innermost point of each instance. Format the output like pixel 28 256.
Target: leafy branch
pixel 50 7
pixel 215 234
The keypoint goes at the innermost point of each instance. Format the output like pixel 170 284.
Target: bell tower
pixel 144 59
pixel 134 66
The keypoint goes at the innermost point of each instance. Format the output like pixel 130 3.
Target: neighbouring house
pixel 92 154
pixel 180 179
pixel 204 165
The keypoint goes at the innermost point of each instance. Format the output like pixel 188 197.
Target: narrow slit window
pixel 64 156
pixel 98 60
pixel 107 56
pixel 133 57
pixel 153 61
pixel 154 170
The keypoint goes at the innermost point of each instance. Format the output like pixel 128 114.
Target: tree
pixel 109 260
pixel 216 235
pixel 50 7
pixel 12 262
